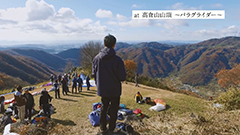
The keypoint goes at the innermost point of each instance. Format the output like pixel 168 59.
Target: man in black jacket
pixel 29 104
pixel 108 71
pixel 45 98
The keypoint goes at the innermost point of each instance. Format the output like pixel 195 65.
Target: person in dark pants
pixel 87 82
pixel 80 82
pixel 74 84
pixel 56 89
pixel 2 108
pixel 108 71
pixel 64 83
pixel 29 104
pixel 45 98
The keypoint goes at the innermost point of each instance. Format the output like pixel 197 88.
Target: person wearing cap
pixel 44 100
pixel 80 83
pixel 29 104
pixel 20 101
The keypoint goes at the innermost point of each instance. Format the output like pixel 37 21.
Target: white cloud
pixel 177 6
pixel 20 23
pixel 174 24
pixel 181 6
pixel 39 10
pixel 103 13
pixel 134 6
pixel 228 31
pixel 121 17
pixel 134 23
pixel 121 29
pixel 217 5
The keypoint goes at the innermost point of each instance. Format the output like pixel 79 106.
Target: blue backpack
pixel 94 117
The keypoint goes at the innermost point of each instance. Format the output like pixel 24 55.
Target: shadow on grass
pixel 64 122
pixel 90 91
pixel 74 95
pixel 68 99
pixel 89 95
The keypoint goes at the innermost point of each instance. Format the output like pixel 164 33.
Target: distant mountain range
pixel 195 64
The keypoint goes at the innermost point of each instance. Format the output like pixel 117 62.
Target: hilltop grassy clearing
pixel 72 112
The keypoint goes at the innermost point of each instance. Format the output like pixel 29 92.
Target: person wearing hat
pixel 6 119
pixel 44 100
pixel 29 104
pixel 20 101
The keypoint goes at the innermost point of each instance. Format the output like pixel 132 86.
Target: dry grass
pixel 72 111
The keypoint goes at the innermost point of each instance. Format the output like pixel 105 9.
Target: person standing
pixel 21 101
pixel 108 71
pixel 56 89
pixel 29 104
pixel 74 84
pixel 88 82
pixel 80 83
pixel 44 100
pixel 64 83
pixel 136 80
pixel 2 108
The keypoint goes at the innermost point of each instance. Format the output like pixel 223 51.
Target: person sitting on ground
pixel 44 100
pixel 6 119
pixel 138 97
pixel 56 89
pixel 2 107
pixel 80 83
pixel 74 84
pixel 29 104
pixel 20 101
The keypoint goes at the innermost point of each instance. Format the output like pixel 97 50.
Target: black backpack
pixel 125 127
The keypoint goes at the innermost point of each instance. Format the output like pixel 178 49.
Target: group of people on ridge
pixel 77 83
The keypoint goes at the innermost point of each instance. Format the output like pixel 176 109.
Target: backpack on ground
pixel 94 117
pixel 95 105
pixel 125 112
pixel 147 100
pixel 124 127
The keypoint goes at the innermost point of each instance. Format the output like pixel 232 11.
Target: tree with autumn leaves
pixel 229 77
pixel 131 68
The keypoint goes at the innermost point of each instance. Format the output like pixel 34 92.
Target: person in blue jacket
pixel 108 71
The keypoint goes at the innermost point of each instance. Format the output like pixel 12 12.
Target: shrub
pixel 230 99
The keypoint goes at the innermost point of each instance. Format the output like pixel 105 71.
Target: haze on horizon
pixel 64 22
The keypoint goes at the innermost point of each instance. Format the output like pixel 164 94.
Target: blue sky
pixel 77 20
